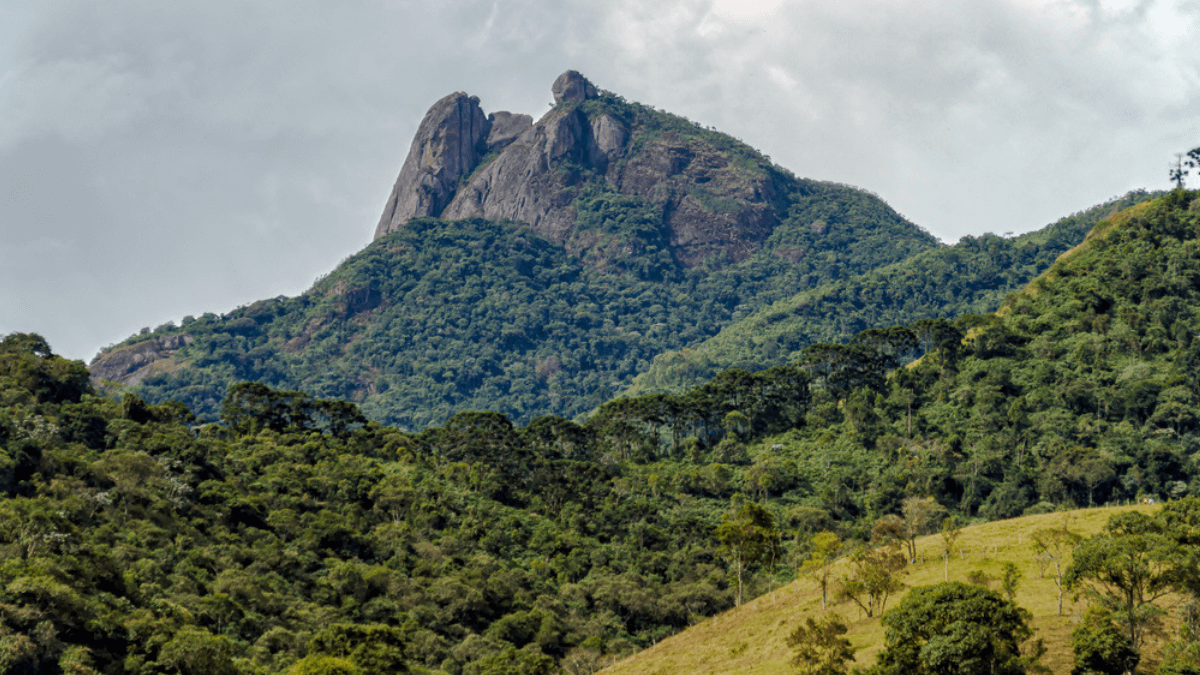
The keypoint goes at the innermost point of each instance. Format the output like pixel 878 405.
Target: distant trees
pixel 1183 165
pixel 250 407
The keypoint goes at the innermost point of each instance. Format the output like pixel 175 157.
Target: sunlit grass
pixel 750 639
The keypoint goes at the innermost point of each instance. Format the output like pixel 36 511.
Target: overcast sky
pixel 164 159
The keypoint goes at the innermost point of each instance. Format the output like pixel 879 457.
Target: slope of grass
pixel 751 639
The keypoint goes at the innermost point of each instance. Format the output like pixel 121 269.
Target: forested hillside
pixel 971 277
pixel 136 542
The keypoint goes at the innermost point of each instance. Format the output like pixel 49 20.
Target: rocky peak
pixel 448 145
pixel 535 171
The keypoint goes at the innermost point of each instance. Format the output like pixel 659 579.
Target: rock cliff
pixel 714 197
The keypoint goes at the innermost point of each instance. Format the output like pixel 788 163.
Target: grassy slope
pixel 750 639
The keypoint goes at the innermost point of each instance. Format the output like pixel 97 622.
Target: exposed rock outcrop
pixel 520 185
pixel 504 128
pixel 134 363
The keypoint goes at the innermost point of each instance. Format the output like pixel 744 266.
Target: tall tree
pixel 747 537
pixel 826 546
pixel 1055 545
pixel 1126 569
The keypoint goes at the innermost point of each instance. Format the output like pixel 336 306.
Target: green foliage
pixel 1126 569
pixel 372 648
pixel 954 628
pixel 123 527
pixel 873 577
pixel 972 276
pixel 195 651
pixel 820 646
pixel 1100 647
pixel 323 665
pixel 1180 658
pixel 27 363
pixel 748 537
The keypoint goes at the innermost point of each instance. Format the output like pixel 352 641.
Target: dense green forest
pixel 971 277
pixel 297 534
pixel 476 315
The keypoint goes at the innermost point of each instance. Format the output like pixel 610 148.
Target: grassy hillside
pixel 750 639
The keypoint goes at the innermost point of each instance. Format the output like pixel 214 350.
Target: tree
pixel 195 651
pixel 1055 545
pixel 919 514
pixel 1100 647
pixel 747 538
pixel 950 533
pixel 513 661
pixel 873 578
pixel 820 647
pixel 825 549
pixel 1181 167
pixel 1126 569
pixel 955 628
pixel 1010 578
pixel 372 648
pixel 318 664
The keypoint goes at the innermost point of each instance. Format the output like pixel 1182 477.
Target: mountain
pixel 532 268
pixel 971 277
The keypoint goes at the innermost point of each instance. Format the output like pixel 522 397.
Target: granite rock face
pixel 709 205
pixel 504 128
pixel 448 145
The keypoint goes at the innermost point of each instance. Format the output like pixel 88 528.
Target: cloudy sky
pixel 165 159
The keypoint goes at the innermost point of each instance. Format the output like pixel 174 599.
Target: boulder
pixel 572 86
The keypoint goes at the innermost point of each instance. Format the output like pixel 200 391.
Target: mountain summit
pixel 503 166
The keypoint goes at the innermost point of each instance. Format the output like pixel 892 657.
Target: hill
pixel 971 277
pixel 135 540
pixel 751 639
pixel 615 232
